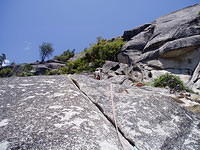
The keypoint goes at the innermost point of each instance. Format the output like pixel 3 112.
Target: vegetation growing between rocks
pixel 6 72
pixel 25 74
pixel 27 67
pixel 171 81
pixel 26 71
pixel 62 70
pixel 96 55
pixel 65 56
pixel 93 57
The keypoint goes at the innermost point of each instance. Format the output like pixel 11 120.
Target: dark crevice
pixel 132 143
pixel 115 67
pixel 112 122
pixel 157 54
pixel 196 80
pixel 187 70
pixel 76 83
pixel 131 33
pixel 159 44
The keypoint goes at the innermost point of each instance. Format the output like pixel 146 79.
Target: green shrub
pixel 169 80
pixel 27 68
pixel 25 71
pixel 25 74
pixel 105 49
pixel 92 57
pixel 6 72
pixel 62 70
pixel 65 56
pixel 149 83
pixel 78 66
pixel 53 72
pixel 95 56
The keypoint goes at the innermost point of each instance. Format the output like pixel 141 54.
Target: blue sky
pixel 72 24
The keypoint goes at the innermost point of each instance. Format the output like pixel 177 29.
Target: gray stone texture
pixel 49 112
pixel 170 43
pixel 145 115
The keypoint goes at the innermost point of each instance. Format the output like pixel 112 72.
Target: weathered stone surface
pixel 195 80
pixel 145 115
pixel 55 65
pixel 175 31
pixel 169 44
pixel 116 67
pixel 109 65
pixel 40 69
pixel 131 33
pixel 49 112
pixel 176 25
pixel 56 112
pixel 134 47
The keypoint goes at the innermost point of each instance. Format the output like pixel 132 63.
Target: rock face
pixel 51 113
pixel 42 68
pixel 37 68
pixel 76 112
pixel 195 82
pixel 145 115
pixel 169 44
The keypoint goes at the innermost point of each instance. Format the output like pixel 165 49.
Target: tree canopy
pixel 46 50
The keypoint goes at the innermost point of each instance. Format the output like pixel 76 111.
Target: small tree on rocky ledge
pixel 46 50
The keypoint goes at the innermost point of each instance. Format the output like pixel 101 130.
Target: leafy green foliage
pixel 149 83
pixel 27 67
pixel 96 55
pixel 25 74
pixel 78 66
pixel 62 70
pixel 46 50
pixel 6 72
pixel 169 80
pixel 25 71
pixel 65 56
pixel 105 49
pixel 53 72
pixel 91 58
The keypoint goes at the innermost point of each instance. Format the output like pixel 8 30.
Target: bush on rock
pixel 169 80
